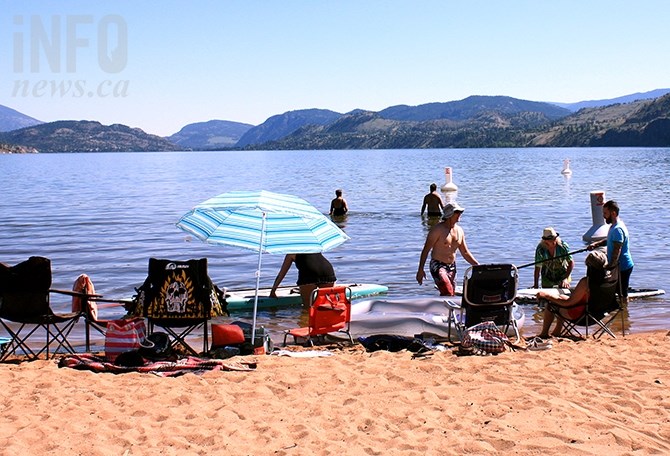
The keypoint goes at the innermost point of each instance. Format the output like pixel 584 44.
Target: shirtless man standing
pixel 444 239
pixel 432 201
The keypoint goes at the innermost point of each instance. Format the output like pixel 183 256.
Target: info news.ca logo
pixel 57 45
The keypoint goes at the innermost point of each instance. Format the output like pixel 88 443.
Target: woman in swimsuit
pixel 338 206
pixel 314 271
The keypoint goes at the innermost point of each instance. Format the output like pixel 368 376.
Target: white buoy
pixel 599 228
pixel 448 186
pixel 566 168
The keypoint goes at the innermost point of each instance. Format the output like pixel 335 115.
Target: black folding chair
pixel 179 297
pixel 26 314
pixel 488 295
pixel 601 310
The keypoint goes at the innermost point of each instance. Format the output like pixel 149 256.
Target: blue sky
pixel 166 64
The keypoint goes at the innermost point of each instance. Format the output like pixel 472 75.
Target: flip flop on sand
pixel 537 343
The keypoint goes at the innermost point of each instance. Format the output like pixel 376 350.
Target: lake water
pixel 106 214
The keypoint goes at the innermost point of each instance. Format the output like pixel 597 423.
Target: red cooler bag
pixel 223 335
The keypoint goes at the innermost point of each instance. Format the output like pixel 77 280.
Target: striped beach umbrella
pixel 264 222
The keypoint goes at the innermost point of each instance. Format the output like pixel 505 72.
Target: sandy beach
pixel 590 397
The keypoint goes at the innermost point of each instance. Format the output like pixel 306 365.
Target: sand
pixel 590 397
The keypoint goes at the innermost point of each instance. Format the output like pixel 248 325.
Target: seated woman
pixel 569 306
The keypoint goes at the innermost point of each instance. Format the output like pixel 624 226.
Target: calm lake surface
pixel 106 214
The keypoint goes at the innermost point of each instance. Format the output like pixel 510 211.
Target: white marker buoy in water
pixel 566 168
pixel 599 228
pixel 449 186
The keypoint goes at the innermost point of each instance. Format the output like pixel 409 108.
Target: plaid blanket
pixel 182 366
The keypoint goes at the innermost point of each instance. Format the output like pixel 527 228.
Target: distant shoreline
pixel 12 149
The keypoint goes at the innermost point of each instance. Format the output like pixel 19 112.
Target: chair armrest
pixel 75 293
pixel 126 303
pixel 559 306
pixel 452 305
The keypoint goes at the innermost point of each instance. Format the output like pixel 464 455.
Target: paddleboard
pixel 528 295
pixel 290 296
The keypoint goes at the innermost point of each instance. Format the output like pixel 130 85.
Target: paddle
pixel 554 258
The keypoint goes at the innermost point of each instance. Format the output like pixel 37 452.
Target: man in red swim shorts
pixel 443 241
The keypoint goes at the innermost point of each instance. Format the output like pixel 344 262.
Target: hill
pixel 451 124
pixel 214 134
pixel 86 136
pixel 11 119
pixel 471 107
pixel 473 122
pixel 638 124
pixel 641 123
pixel 278 126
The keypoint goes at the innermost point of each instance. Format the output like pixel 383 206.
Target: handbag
pixel 123 336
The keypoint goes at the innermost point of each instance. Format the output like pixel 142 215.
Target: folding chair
pixel 179 297
pixel 488 295
pixel 329 311
pixel 26 313
pixel 601 310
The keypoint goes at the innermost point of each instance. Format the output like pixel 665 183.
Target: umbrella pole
pixel 258 280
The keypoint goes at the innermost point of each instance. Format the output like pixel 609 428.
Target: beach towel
pixel 84 285
pixel 191 364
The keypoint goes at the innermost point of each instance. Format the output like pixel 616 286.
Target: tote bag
pixel 123 336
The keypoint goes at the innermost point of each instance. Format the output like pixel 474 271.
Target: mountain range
pixel 477 121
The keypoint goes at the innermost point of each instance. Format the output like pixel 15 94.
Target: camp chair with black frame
pixel 26 313
pixel 179 297
pixel 601 310
pixel 329 311
pixel 489 291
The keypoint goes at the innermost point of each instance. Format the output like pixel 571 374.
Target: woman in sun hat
pixel 553 261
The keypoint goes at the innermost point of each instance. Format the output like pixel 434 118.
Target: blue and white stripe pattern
pixel 292 225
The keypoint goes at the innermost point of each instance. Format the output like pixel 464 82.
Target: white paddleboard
pixel 290 296
pixel 529 295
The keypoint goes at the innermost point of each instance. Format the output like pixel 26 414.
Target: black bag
pixel 156 347
pixel 131 358
pixel 393 343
